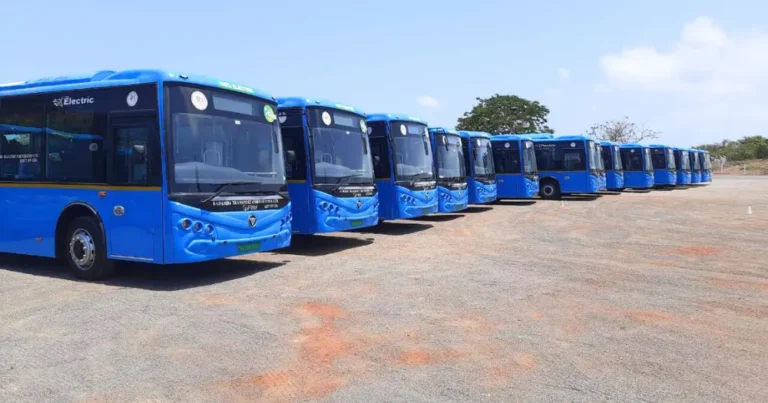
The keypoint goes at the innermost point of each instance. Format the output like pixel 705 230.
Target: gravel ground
pixel 659 296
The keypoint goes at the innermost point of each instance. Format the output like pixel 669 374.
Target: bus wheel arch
pixel 549 188
pixel 81 241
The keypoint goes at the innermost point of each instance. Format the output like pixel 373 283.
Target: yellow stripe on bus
pixel 79 187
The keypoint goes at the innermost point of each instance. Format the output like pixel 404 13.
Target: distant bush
pixel 748 148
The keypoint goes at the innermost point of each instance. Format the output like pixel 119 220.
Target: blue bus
pixel 567 165
pixel 517 176
pixel 139 165
pixel 664 166
pixel 447 149
pixel 403 166
pixel 705 164
pixel 328 165
pixel 638 168
pixel 603 181
pixel 683 164
pixel 614 171
pixel 481 173
pixel 693 156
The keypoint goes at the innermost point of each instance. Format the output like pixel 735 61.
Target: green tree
pixel 622 131
pixel 506 114
pixel 748 148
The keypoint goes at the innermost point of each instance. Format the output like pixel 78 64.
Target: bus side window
pixel 132 150
pixel 295 154
pixel 467 158
pixel 21 135
pixel 506 160
pixel 573 160
pixel 545 158
pixel 607 158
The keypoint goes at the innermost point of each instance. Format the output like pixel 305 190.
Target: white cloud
pixel 428 101
pixel 564 74
pixel 704 61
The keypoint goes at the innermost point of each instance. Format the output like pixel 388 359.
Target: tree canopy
pixel 622 131
pixel 506 114
pixel 748 148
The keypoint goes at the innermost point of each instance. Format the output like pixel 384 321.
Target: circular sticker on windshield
pixel 281 117
pixel 506 145
pixel 403 130
pixel 478 142
pixel 199 100
pixel 132 99
pixel 573 144
pixel 269 113
pixel 327 118
pixel 93 147
pixel 527 145
pixel 632 150
pixel 363 127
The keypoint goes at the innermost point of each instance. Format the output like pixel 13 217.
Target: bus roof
pixel 549 137
pixel 608 143
pixel 632 145
pixel 300 102
pixel 109 78
pixel 510 137
pixel 388 117
pixel 443 130
pixel 659 146
pixel 469 135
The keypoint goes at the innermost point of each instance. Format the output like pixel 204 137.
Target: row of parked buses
pixel 167 168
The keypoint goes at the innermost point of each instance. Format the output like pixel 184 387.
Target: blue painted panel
pixel 614 181
pixel 339 214
pixel 137 234
pixel 304 220
pixel 450 201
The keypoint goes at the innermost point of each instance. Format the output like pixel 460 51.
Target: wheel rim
pixel 82 249
pixel 549 190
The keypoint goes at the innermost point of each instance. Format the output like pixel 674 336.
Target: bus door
pixel 131 207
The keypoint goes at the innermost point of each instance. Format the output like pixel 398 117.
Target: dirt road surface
pixel 659 296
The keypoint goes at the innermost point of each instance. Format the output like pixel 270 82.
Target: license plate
pixel 426 210
pixel 249 247
pixel 356 223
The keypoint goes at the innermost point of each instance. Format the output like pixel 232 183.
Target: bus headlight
pixel 209 229
pixel 185 224
pixel 198 226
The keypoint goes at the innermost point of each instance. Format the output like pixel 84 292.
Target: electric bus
pixel 447 150
pixel 139 165
pixel 683 164
pixel 481 173
pixel 601 166
pixel 567 165
pixel 403 166
pixel 638 168
pixel 693 156
pixel 664 166
pixel 705 163
pixel 614 171
pixel 517 176
pixel 328 165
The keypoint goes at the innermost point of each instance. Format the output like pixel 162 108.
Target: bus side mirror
pixel 139 154
pixel 290 157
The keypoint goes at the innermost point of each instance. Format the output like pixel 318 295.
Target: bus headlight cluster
pixel 329 207
pixel 196 226
pixel 408 199
pixel 287 220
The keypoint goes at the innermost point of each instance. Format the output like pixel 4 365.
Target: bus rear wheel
pixel 86 250
pixel 549 190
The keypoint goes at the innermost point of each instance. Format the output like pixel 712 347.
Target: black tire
pixel 549 189
pixel 85 249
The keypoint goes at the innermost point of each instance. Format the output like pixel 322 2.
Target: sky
pixel 695 71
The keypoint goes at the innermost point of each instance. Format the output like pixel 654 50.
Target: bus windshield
pixel 483 158
pixel 594 165
pixel 617 160
pixel 529 159
pixel 647 160
pixel 671 160
pixel 707 162
pixel 695 161
pixel 413 155
pixel 599 158
pixel 685 162
pixel 340 148
pixel 450 157
pixel 219 137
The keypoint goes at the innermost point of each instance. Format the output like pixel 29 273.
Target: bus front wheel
pixel 86 250
pixel 550 190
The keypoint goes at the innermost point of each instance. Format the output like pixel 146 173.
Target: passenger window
pixel 21 134
pixel 573 160
pixel 132 150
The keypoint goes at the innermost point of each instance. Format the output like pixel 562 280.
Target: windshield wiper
pixel 414 177
pixel 219 190
pixel 341 178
